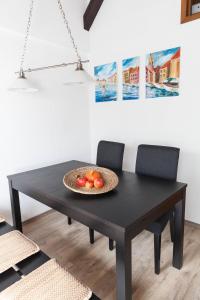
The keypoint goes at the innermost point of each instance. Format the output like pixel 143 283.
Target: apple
pixel 98 183
pixel 81 181
pixel 89 184
pixel 96 175
pixel 89 176
pixel 92 175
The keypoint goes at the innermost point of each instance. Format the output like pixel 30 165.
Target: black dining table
pixel 120 214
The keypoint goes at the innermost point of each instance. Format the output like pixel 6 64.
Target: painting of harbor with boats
pixel 131 76
pixel 163 73
pixel 106 82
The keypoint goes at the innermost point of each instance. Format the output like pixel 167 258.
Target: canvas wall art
pixel 106 82
pixel 163 73
pixel 131 77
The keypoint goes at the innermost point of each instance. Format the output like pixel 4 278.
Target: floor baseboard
pixel 46 213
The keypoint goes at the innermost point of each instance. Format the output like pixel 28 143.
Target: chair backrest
pixel 157 161
pixel 110 155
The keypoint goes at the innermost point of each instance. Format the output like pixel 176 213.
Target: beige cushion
pixel 14 247
pixel 49 282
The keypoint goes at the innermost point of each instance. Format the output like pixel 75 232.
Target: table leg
pixel 69 221
pixel 179 218
pixel 124 269
pixel 15 206
pixel 91 233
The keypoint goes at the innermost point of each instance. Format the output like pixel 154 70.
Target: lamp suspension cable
pixel 21 73
pixel 79 75
pixel 69 30
pixel 21 84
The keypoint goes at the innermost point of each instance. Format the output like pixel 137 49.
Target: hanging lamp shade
pixel 78 76
pixel 22 84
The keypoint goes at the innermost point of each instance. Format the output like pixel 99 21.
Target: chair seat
pixel 50 281
pixel 158 226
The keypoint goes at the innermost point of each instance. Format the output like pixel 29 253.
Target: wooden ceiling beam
pixel 91 13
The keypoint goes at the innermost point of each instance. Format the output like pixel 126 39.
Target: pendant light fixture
pixel 77 76
pixel 21 83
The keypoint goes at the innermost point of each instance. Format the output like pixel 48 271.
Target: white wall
pixel 47 23
pixel 127 28
pixel 42 128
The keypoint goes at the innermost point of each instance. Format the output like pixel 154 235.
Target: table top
pixel 131 201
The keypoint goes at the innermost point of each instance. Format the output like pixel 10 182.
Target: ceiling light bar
pixel 29 70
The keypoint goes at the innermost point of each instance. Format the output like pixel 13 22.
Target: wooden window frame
pixel 186 15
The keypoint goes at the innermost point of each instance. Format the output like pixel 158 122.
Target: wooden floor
pixel 94 264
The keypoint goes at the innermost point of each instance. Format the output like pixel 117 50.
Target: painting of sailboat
pixel 163 73
pixel 131 77
pixel 106 82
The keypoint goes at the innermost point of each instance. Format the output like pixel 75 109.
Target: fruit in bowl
pixel 90 180
pixel 81 181
pixel 92 175
pixel 98 183
pixel 89 184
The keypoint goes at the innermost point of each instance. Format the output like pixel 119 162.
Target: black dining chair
pixel 160 162
pixel 109 155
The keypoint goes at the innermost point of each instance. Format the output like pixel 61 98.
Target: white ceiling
pixel 46 23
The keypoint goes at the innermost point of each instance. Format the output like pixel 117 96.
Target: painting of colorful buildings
pixel 106 82
pixel 162 73
pixel 131 77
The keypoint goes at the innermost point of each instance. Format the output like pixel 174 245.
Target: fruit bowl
pixel 109 178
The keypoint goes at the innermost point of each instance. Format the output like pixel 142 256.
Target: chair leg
pixel 91 232
pixel 111 244
pixel 157 250
pixel 172 226
pixel 69 221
